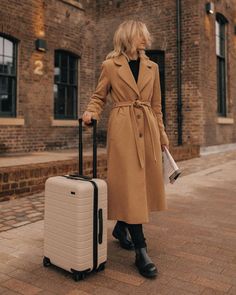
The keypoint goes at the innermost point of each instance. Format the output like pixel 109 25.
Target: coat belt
pixel 145 105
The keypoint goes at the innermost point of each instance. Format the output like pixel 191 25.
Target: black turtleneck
pixel 134 66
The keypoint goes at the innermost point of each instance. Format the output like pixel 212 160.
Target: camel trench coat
pixel 134 137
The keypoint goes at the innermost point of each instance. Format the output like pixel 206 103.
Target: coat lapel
pixel 126 74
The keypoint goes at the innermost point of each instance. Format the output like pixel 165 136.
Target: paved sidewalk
pixel 19 212
pixel 193 243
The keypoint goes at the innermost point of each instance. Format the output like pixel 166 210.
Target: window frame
pixel 221 64
pixel 15 41
pixel 67 84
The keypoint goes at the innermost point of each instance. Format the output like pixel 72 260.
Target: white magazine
pixel 170 169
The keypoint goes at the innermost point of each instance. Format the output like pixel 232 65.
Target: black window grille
pixel 8 75
pixel 220 28
pixel 65 85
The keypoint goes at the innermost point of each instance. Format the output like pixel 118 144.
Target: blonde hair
pixel 125 35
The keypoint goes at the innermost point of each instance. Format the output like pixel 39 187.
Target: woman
pixel 135 138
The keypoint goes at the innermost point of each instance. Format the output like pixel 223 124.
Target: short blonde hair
pixel 124 36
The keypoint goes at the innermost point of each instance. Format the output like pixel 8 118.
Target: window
pixel 65 85
pixel 221 63
pixel 7 76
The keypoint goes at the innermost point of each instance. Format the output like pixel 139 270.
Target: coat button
pixel 140 134
pixel 138 116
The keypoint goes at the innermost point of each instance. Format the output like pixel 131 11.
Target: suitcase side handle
pixel 100 223
pixel 94 124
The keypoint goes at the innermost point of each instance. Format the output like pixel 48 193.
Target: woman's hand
pixel 162 147
pixel 86 117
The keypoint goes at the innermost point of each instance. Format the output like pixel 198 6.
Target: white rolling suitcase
pixel 75 223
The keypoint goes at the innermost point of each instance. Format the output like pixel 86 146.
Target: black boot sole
pixel 145 274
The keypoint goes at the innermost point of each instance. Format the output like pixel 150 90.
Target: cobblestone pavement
pixel 19 212
pixel 193 243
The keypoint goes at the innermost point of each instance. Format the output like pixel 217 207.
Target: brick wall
pixel 213 132
pixel 63 26
pixel 86 28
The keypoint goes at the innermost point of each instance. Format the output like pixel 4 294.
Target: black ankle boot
pixel 120 232
pixel 144 264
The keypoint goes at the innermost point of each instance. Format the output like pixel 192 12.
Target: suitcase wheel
pixel 46 262
pixel 101 267
pixel 78 276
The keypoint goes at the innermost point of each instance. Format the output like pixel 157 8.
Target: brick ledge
pixel 28 179
pixel 224 120
pixel 24 180
pixel 12 121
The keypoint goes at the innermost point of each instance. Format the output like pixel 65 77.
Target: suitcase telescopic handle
pixel 94 124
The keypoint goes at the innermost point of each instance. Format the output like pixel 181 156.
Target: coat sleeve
pixel 156 106
pixel 98 98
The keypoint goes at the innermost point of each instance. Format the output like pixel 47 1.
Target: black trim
pixel 95 225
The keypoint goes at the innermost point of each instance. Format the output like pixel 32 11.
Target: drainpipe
pixel 179 82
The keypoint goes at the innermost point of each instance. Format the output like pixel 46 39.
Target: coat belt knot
pixel 146 106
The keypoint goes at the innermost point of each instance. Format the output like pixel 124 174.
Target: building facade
pixel 50 57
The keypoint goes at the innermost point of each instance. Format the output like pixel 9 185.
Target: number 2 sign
pixel 38 70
